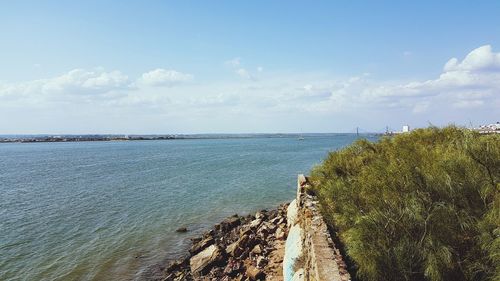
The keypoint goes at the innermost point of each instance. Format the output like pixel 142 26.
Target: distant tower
pixel 406 128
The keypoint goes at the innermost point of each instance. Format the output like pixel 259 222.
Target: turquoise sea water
pixel 108 210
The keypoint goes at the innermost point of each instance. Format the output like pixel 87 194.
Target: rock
pixel 280 234
pixel 262 214
pixel 181 229
pixel 266 228
pixel 261 261
pixel 230 223
pixel 275 220
pixel 263 231
pixel 195 239
pixel 272 214
pixel 241 248
pixel 246 230
pixel 204 260
pixel 210 233
pixel 233 267
pixel 238 248
pixel 255 223
pixel 271 227
pixel 180 276
pixel 234 250
pixel 198 247
pixel 257 250
pixel 254 273
pixel 241 278
pixel 177 265
pixel 242 242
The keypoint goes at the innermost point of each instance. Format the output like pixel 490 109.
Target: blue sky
pixel 254 66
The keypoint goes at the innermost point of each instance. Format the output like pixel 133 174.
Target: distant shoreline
pixel 94 138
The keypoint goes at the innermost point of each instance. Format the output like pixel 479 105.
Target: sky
pixel 170 67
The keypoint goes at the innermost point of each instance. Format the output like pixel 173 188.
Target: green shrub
pixel 417 206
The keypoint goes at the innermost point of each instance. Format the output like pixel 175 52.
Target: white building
pixel 489 129
pixel 406 128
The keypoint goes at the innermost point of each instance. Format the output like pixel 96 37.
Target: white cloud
pixel 420 107
pixel 482 58
pixel 235 65
pixel 243 73
pixel 469 85
pixel 468 103
pixel 163 77
pixel 235 62
pixel 476 77
pixel 77 82
pixel 450 65
pixel 82 81
pixel 472 83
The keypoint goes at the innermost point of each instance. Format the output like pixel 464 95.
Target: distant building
pixel 406 129
pixel 489 129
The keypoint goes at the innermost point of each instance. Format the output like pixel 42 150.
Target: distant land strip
pixel 83 138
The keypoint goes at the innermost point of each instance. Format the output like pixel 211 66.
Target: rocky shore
pixel 238 248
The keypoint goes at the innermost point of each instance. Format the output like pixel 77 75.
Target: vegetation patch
pixel 418 206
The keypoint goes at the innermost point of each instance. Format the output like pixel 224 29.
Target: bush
pixel 417 206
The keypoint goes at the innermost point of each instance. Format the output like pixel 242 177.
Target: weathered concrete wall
pixel 310 253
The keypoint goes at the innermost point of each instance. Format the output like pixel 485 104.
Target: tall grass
pixel 417 206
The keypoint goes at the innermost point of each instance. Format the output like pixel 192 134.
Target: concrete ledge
pixel 320 260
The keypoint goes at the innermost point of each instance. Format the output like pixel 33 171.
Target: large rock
pixel 261 214
pixel 230 223
pixel 232 268
pixel 261 262
pixel 238 247
pixel 204 260
pixel 199 246
pixel 177 265
pixel 280 234
pixel 246 230
pixel 181 229
pixel 257 250
pixel 263 231
pixel 254 273
pixel 270 226
pixel 234 250
pixel 255 223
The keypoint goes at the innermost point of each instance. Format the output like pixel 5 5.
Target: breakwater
pixel 239 248
pixel 290 243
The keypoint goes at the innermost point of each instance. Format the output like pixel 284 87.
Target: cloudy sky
pixel 254 66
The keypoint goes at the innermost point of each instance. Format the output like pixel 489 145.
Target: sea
pixel 108 210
